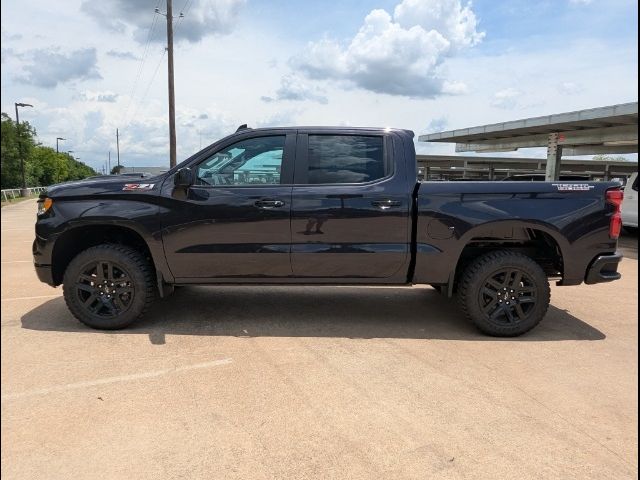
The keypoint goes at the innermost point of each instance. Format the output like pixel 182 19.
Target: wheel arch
pixel 77 239
pixel 540 241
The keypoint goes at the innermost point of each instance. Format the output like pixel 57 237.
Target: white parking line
pixel 28 298
pixel 17 261
pixel 123 378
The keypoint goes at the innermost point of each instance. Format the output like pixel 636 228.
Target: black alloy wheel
pixel 104 288
pixel 508 297
pixel 504 293
pixel 109 286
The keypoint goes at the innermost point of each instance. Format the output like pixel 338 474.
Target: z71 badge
pixel 573 187
pixel 138 186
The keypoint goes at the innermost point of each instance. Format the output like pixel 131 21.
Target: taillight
pixel 614 197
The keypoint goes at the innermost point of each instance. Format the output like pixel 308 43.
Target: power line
pixel 144 97
pixel 184 10
pixel 141 63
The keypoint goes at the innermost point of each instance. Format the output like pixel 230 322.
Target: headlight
pixel 44 205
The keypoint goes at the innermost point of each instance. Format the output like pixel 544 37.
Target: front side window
pixel 345 159
pixel 254 161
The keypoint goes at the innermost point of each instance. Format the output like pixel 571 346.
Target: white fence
pixel 15 192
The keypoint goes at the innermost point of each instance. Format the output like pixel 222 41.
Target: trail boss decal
pixel 138 186
pixel 573 187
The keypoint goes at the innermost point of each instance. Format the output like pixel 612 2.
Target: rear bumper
pixel 604 268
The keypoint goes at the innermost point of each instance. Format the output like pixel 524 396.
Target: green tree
pixel 43 165
pixel 15 143
pixel 117 169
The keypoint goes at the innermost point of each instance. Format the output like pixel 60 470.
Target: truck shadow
pixel 348 312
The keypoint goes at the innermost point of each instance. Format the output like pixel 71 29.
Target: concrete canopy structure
pixel 612 129
pixel 454 167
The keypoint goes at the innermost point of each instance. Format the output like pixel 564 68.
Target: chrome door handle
pixel 386 204
pixel 268 204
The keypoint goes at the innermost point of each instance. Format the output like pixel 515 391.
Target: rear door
pixel 235 221
pixel 350 207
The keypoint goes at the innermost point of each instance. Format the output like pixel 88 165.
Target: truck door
pixel 235 221
pixel 350 208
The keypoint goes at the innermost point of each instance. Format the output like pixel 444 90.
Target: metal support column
pixel 554 157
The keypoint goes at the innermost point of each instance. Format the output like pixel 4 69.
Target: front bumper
pixel 44 274
pixel 42 260
pixel 604 268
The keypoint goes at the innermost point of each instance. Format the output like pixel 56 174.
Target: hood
pixel 105 185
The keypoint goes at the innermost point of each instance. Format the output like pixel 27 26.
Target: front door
pixel 235 221
pixel 350 208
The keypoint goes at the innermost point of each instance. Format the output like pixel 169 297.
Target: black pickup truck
pixel 323 206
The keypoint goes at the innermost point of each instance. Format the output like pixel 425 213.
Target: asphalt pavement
pixel 314 383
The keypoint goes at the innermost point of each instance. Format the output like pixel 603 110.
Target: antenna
pixel 242 127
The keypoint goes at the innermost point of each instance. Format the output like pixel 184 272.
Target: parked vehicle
pixel 323 206
pixel 630 205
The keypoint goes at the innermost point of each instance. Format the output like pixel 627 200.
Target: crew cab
pixel 323 206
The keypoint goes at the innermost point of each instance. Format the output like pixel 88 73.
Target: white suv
pixel 630 204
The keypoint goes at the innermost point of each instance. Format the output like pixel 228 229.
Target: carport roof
pixel 610 129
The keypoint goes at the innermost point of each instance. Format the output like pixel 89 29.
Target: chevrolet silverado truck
pixel 323 206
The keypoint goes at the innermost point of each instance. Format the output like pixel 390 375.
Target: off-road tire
pixel 133 282
pixel 522 293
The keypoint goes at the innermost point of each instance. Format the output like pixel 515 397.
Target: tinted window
pixel 254 161
pixel 345 159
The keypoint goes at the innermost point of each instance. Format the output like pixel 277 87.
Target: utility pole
pixel 172 97
pixel 118 147
pixel 109 161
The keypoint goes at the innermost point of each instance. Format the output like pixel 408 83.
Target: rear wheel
pixel 108 286
pixel 504 293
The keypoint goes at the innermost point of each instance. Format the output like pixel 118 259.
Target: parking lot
pixel 301 382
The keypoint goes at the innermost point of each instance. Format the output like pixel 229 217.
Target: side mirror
pixel 184 178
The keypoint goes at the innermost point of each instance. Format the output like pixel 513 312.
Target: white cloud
pixel 454 22
pixel 292 87
pixel 438 124
pixel 569 88
pixel 202 18
pixel 506 99
pixel 400 55
pixel 47 68
pixel 223 77
pixel 122 55
pixel 104 96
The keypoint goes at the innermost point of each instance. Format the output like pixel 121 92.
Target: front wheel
pixel 504 293
pixel 108 286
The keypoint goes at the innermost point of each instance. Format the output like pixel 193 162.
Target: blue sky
pixel 426 65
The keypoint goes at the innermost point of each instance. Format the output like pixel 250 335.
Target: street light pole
pixel 24 192
pixel 59 138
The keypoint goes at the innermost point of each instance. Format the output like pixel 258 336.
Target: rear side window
pixel 345 159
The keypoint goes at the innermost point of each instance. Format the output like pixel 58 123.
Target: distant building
pixel 149 170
